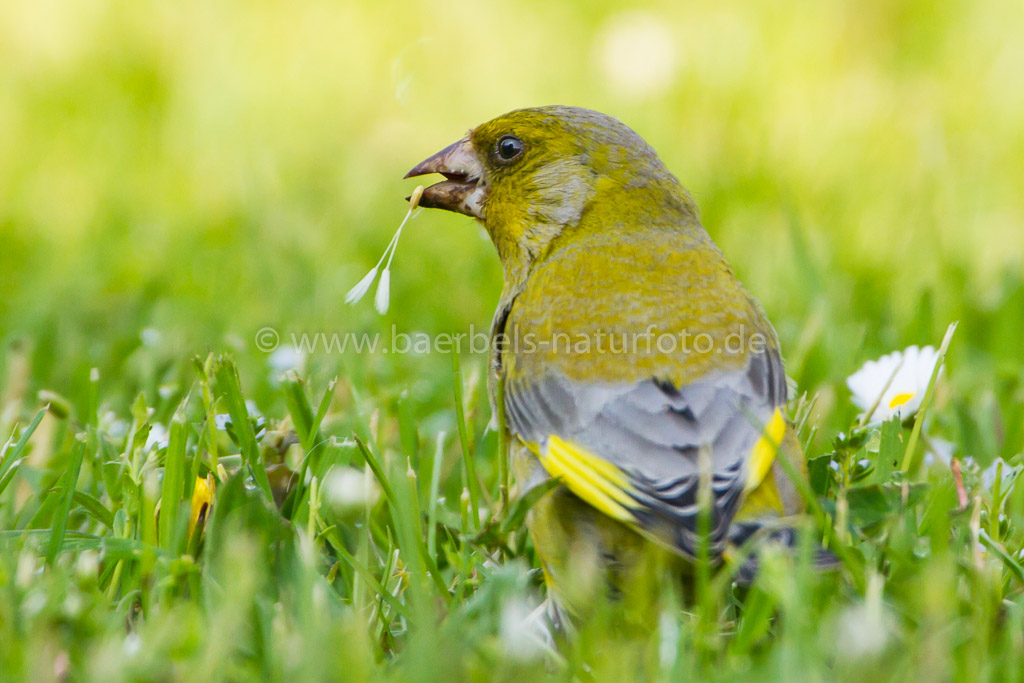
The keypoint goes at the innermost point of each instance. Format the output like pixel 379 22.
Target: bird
pixel 631 365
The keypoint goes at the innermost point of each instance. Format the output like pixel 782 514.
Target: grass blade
pixel 435 488
pixel 908 455
pixel 231 390
pixel 173 487
pixel 11 457
pixel 60 521
pixel 95 509
pixel 467 458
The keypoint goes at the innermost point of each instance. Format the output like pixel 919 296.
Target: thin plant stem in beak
pixel 383 296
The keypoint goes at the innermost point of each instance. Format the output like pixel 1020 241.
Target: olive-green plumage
pixel 631 358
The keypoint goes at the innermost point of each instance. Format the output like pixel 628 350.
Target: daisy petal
pixel 362 287
pixel 383 297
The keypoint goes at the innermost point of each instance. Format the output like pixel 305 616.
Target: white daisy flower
pixel 150 337
pixel 894 384
pixel 865 629
pixel 114 427
pixel 939 450
pixel 286 358
pixel 132 644
pixel 1006 473
pixel 522 630
pixel 347 489
pixel 157 438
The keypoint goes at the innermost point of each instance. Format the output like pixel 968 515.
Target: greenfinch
pixel 632 364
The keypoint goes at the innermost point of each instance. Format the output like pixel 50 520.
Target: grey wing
pixel 654 432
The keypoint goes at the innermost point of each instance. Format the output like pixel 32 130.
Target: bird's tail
pixel 752 537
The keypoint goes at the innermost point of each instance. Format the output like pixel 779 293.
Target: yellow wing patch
pixel 607 488
pixel 595 481
pixel 763 454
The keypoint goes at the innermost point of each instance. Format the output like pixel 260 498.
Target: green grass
pixel 175 179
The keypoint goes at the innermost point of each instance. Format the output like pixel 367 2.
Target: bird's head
pixel 532 174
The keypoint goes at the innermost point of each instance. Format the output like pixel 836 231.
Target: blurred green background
pixel 175 176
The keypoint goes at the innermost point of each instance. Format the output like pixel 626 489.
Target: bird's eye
pixel 509 147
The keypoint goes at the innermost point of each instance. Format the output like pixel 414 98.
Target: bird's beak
pixel 463 190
